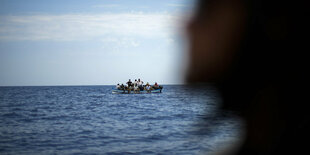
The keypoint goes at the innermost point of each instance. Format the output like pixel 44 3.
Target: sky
pixel 91 42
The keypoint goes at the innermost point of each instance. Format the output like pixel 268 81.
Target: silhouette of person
pixel 254 52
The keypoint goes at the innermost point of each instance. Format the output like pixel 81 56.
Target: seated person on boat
pixel 156 86
pixel 120 87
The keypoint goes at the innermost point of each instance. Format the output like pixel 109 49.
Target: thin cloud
pixel 70 27
pixel 120 42
pixel 176 5
pixel 106 6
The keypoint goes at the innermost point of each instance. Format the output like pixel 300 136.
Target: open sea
pixel 92 120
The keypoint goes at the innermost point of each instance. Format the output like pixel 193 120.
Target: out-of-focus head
pixel 238 45
pixel 254 51
pixel 214 34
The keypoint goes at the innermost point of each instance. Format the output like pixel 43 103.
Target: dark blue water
pixel 92 120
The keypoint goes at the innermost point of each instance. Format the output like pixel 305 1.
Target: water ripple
pixel 92 120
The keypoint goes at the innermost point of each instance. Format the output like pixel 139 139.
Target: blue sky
pixel 91 42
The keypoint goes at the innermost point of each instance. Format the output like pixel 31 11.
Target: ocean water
pixel 92 120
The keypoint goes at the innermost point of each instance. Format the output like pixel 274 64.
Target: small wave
pixel 11 115
pixel 68 120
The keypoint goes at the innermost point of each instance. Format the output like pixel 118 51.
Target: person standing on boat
pixel 136 88
pixel 140 84
pixel 129 83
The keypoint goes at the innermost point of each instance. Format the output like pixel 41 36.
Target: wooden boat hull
pixel 133 92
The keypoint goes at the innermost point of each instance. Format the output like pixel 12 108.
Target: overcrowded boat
pixel 137 87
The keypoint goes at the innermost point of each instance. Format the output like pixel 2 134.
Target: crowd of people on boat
pixel 137 86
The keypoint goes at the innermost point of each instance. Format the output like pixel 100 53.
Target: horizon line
pixel 73 85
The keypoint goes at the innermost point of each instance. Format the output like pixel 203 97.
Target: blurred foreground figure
pixel 255 52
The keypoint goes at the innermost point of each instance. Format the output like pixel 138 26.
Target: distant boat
pixel 118 91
